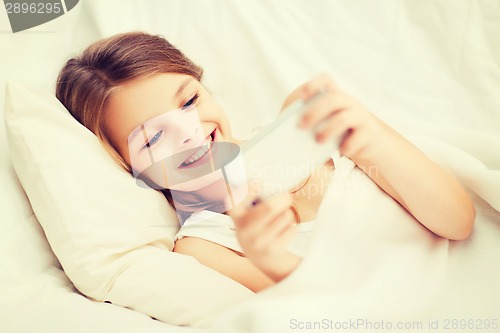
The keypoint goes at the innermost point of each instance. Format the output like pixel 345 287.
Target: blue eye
pixel 190 103
pixel 153 140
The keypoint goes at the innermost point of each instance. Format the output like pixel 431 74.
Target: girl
pixel 121 82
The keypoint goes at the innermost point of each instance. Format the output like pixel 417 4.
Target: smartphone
pixel 282 155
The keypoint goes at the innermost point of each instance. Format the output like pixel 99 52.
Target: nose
pixel 187 135
pixel 184 127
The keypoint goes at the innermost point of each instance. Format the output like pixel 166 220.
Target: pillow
pixel 112 237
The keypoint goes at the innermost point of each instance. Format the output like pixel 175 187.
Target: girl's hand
pixel 340 116
pixel 264 231
pixel 427 191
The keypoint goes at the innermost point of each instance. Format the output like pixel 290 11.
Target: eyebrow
pixel 181 88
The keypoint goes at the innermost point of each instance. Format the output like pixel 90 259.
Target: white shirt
pixel 219 228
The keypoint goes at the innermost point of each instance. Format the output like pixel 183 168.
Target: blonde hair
pixel 85 82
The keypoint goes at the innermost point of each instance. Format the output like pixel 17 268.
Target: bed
pixel 431 69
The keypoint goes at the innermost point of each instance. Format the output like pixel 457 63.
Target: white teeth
pixel 200 153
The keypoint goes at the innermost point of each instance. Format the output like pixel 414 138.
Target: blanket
pixel 371 265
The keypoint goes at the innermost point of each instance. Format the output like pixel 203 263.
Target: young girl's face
pixel 161 116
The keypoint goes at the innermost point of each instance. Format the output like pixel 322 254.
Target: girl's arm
pixel 432 195
pixel 224 261
pixel 264 231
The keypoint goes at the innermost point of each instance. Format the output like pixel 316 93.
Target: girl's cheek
pixel 162 150
pixel 139 162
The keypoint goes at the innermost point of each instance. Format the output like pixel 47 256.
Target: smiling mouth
pixel 200 153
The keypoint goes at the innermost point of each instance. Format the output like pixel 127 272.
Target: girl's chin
pixel 198 184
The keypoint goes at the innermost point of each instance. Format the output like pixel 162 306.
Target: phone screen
pixel 282 155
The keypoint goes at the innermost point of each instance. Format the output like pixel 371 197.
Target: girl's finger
pixel 258 217
pixel 337 125
pixel 292 97
pixel 321 82
pixel 356 141
pixel 251 199
pixel 321 109
pixel 277 227
pixel 239 212
pixel 306 90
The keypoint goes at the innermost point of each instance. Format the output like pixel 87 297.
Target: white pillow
pixel 112 237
